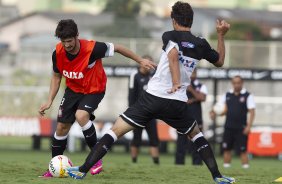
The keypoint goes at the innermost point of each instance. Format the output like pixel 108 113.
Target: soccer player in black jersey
pixel 166 98
pixel 239 108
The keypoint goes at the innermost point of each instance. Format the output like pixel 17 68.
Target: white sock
pixel 197 136
pixel 226 165
pixel 87 125
pixel 245 166
pixel 112 134
pixel 60 137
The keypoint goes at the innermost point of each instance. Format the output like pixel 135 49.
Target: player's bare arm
pixel 174 69
pixel 128 53
pixel 198 96
pixel 54 88
pixel 250 121
pixel 221 27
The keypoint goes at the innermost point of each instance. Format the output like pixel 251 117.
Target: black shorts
pixel 175 113
pixel 72 101
pixel 234 139
pixel 151 129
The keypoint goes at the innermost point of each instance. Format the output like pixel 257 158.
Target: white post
pixel 227 54
pixel 272 55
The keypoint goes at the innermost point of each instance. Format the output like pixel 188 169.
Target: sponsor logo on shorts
pixel 88 107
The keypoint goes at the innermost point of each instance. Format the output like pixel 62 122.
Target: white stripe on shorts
pixel 132 121
pixel 189 128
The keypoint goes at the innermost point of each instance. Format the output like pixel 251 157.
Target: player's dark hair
pixel 238 76
pixel 66 29
pixel 182 13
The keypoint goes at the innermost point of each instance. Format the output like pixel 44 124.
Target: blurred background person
pixel 196 93
pixel 138 84
pixel 239 108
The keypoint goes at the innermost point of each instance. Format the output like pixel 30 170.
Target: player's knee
pixel 120 127
pixel 82 116
pixel 62 129
pixel 194 132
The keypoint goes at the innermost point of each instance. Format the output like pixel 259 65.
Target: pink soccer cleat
pixel 46 174
pixel 96 168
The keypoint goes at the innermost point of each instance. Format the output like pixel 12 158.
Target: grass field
pixel 23 166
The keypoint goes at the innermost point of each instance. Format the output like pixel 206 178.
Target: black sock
pixel 207 155
pixel 196 158
pixel 58 146
pixel 99 150
pixel 90 136
pixel 156 160
pixel 134 159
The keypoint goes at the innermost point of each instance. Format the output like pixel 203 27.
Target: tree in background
pixel 124 8
pixel 125 19
pixel 244 30
pixel 244 54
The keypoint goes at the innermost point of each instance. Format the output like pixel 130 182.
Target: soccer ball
pixel 218 108
pixel 58 164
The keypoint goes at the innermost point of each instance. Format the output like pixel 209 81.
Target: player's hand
pixel 174 88
pixel 222 27
pixel 44 107
pixel 190 101
pixel 212 115
pixel 148 64
pixel 190 88
pixel 247 130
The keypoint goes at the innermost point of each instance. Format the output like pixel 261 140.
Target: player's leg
pixel 206 153
pixel 65 119
pixel 227 157
pixel 242 140
pixel 185 124
pixel 152 132
pixel 59 141
pixel 204 149
pixel 244 160
pixel 134 117
pixel 87 105
pixel 130 119
pixel 196 158
pixel 135 144
pixel 100 149
pixel 181 147
pixel 228 140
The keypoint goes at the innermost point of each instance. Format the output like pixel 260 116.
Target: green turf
pixel 25 166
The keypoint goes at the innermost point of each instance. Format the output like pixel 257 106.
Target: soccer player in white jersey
pixel 166 97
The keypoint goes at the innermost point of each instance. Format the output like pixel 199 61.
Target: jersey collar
pixel 243 91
